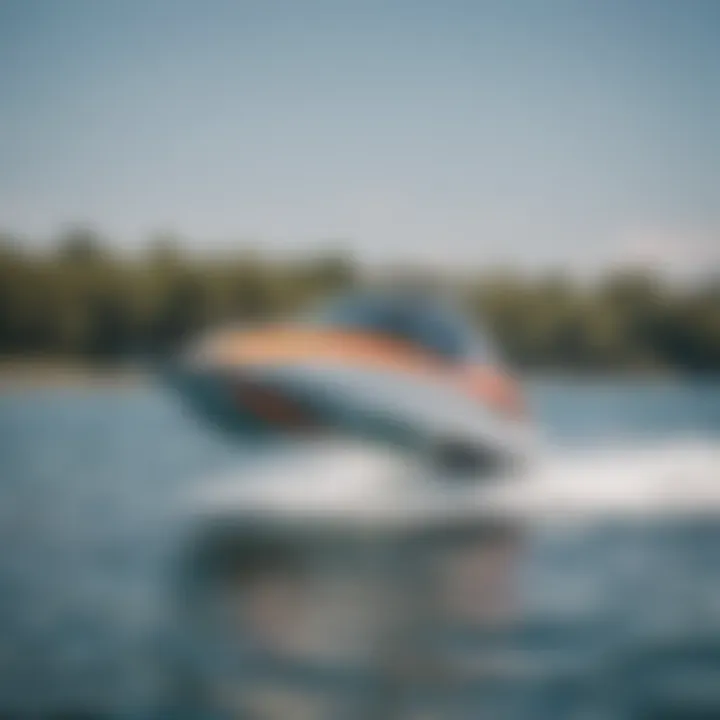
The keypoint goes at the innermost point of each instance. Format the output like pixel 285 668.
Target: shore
pixel 29 373
pixel 44 373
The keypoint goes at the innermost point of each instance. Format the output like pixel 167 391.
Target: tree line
pixel 78 299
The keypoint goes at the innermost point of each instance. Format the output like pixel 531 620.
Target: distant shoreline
pixel 59 373
pixel 42 373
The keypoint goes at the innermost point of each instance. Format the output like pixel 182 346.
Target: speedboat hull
pixel 311 400
pixel 384 369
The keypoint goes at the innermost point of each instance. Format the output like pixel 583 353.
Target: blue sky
pixel 564 132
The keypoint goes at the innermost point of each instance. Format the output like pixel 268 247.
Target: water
pixel 88 480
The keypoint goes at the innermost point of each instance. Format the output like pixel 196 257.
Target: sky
pixel 563 133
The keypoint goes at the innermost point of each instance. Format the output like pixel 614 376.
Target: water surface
pixel 88 482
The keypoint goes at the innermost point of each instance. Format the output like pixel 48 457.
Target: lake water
pixel 88 479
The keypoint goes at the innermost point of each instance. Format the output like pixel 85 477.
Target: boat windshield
pixel 427 324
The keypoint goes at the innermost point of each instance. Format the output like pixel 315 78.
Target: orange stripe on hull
pixel 497 389
pixel 286 346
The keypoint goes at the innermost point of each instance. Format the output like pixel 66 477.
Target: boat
pixel 391 367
